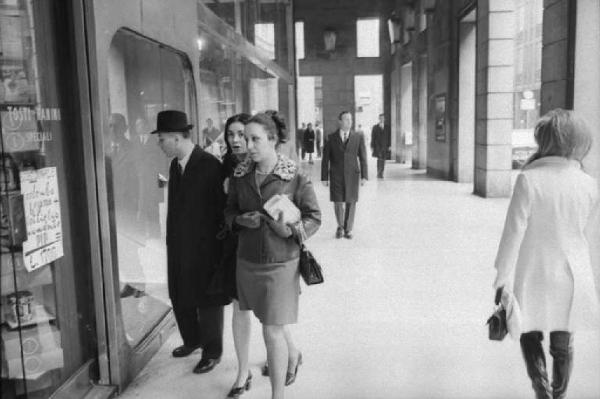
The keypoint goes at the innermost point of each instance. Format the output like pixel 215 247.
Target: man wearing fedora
pixel 194 215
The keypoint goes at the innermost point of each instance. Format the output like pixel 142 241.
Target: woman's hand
pixel 280 228
pixel 250 220
pixel 498 297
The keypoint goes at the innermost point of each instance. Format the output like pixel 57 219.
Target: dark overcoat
pixel 344 165
pixel 194 217
pixel 309 141
pixel 380 141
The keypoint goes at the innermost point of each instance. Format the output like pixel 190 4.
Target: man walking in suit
pixel 319 138
pixel 344 150
pixel 300 141
pixel 194 216
pixel 380 144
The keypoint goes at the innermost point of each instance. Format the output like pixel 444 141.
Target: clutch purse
pixel 310 270
pixel 497 328
pixel 280 204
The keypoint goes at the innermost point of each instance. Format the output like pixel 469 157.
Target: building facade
pixel 84 295
pixel 471 76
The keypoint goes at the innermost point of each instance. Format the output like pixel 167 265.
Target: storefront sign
pixel 42 217
pixel 15 116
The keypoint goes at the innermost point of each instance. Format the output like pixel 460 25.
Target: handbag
pixel 497 328
pixel 310 270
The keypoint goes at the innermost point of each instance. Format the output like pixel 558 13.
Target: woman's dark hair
pixel 230 161
pixel 241 118
pixel 274 124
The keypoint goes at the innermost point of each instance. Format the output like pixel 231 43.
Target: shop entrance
pixel 406 114
pixel 463 143
pixel 368 98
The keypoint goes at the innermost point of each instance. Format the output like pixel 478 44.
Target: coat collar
pixel 553 160
pixel 285 168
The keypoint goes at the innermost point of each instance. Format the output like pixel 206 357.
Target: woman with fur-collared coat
pixel 269 250
pixel 544 256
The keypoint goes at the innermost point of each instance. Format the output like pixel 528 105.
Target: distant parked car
pixel 520 155
pixel 524 146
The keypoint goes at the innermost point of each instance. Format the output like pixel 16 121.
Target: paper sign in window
pixel 44 242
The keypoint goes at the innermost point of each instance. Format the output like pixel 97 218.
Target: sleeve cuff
pixel 299 232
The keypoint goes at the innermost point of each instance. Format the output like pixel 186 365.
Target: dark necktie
pixel 177 176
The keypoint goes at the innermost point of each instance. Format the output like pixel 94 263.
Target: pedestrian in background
pixel 319 138
pixel 268 250
pixel 309 142
pixel 544 256
pixel 343 169
pixel 380 144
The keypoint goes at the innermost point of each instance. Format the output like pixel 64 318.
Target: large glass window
pixel 48 328
pixel 144 79
pixel 527 79
pixel 264 38
pixel 262 22
pixel 367 37
pixel 229 84
pixel 299 26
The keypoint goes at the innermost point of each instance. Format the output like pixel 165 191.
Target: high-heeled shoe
pixel 265 369
pixel 291 377
pixel 236 392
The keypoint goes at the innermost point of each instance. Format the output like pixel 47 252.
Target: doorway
pixel 310 99
pixel 463 143
pixel 368 99
pixel 419 152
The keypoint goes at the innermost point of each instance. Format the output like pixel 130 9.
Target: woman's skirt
pixel 270 290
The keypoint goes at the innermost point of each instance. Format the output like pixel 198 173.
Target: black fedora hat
pixel 171 121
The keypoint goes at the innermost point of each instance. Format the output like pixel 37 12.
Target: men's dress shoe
pixel 348 235
pixel 339 232
pixel 236 392
pixel 291 377
pixel 183 351
pixel 206 365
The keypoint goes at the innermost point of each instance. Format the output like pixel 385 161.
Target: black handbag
pixel 310 270
pixel 497 328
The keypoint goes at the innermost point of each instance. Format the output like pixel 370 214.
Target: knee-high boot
pixel 535 360
pixel 561 349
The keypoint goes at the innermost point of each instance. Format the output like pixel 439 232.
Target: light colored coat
pixel 544 256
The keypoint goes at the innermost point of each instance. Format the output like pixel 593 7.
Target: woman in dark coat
pixel 241 323
pixel 309 142
pixel 269 249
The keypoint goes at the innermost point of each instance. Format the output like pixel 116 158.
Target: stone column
pixel 558 54
pixel 586 92
pixel 494 92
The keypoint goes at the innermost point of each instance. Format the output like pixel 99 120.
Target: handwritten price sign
pixel 42 217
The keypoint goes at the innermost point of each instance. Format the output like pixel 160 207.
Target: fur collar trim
pixel 285 168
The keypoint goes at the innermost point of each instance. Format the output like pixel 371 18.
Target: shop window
pixel 47 315
pixel 144 79
pixel 367 37
pixel 527 78
pixel 264 38
pixel 299 26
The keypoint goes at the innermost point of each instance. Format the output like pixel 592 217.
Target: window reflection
pixel 144 79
